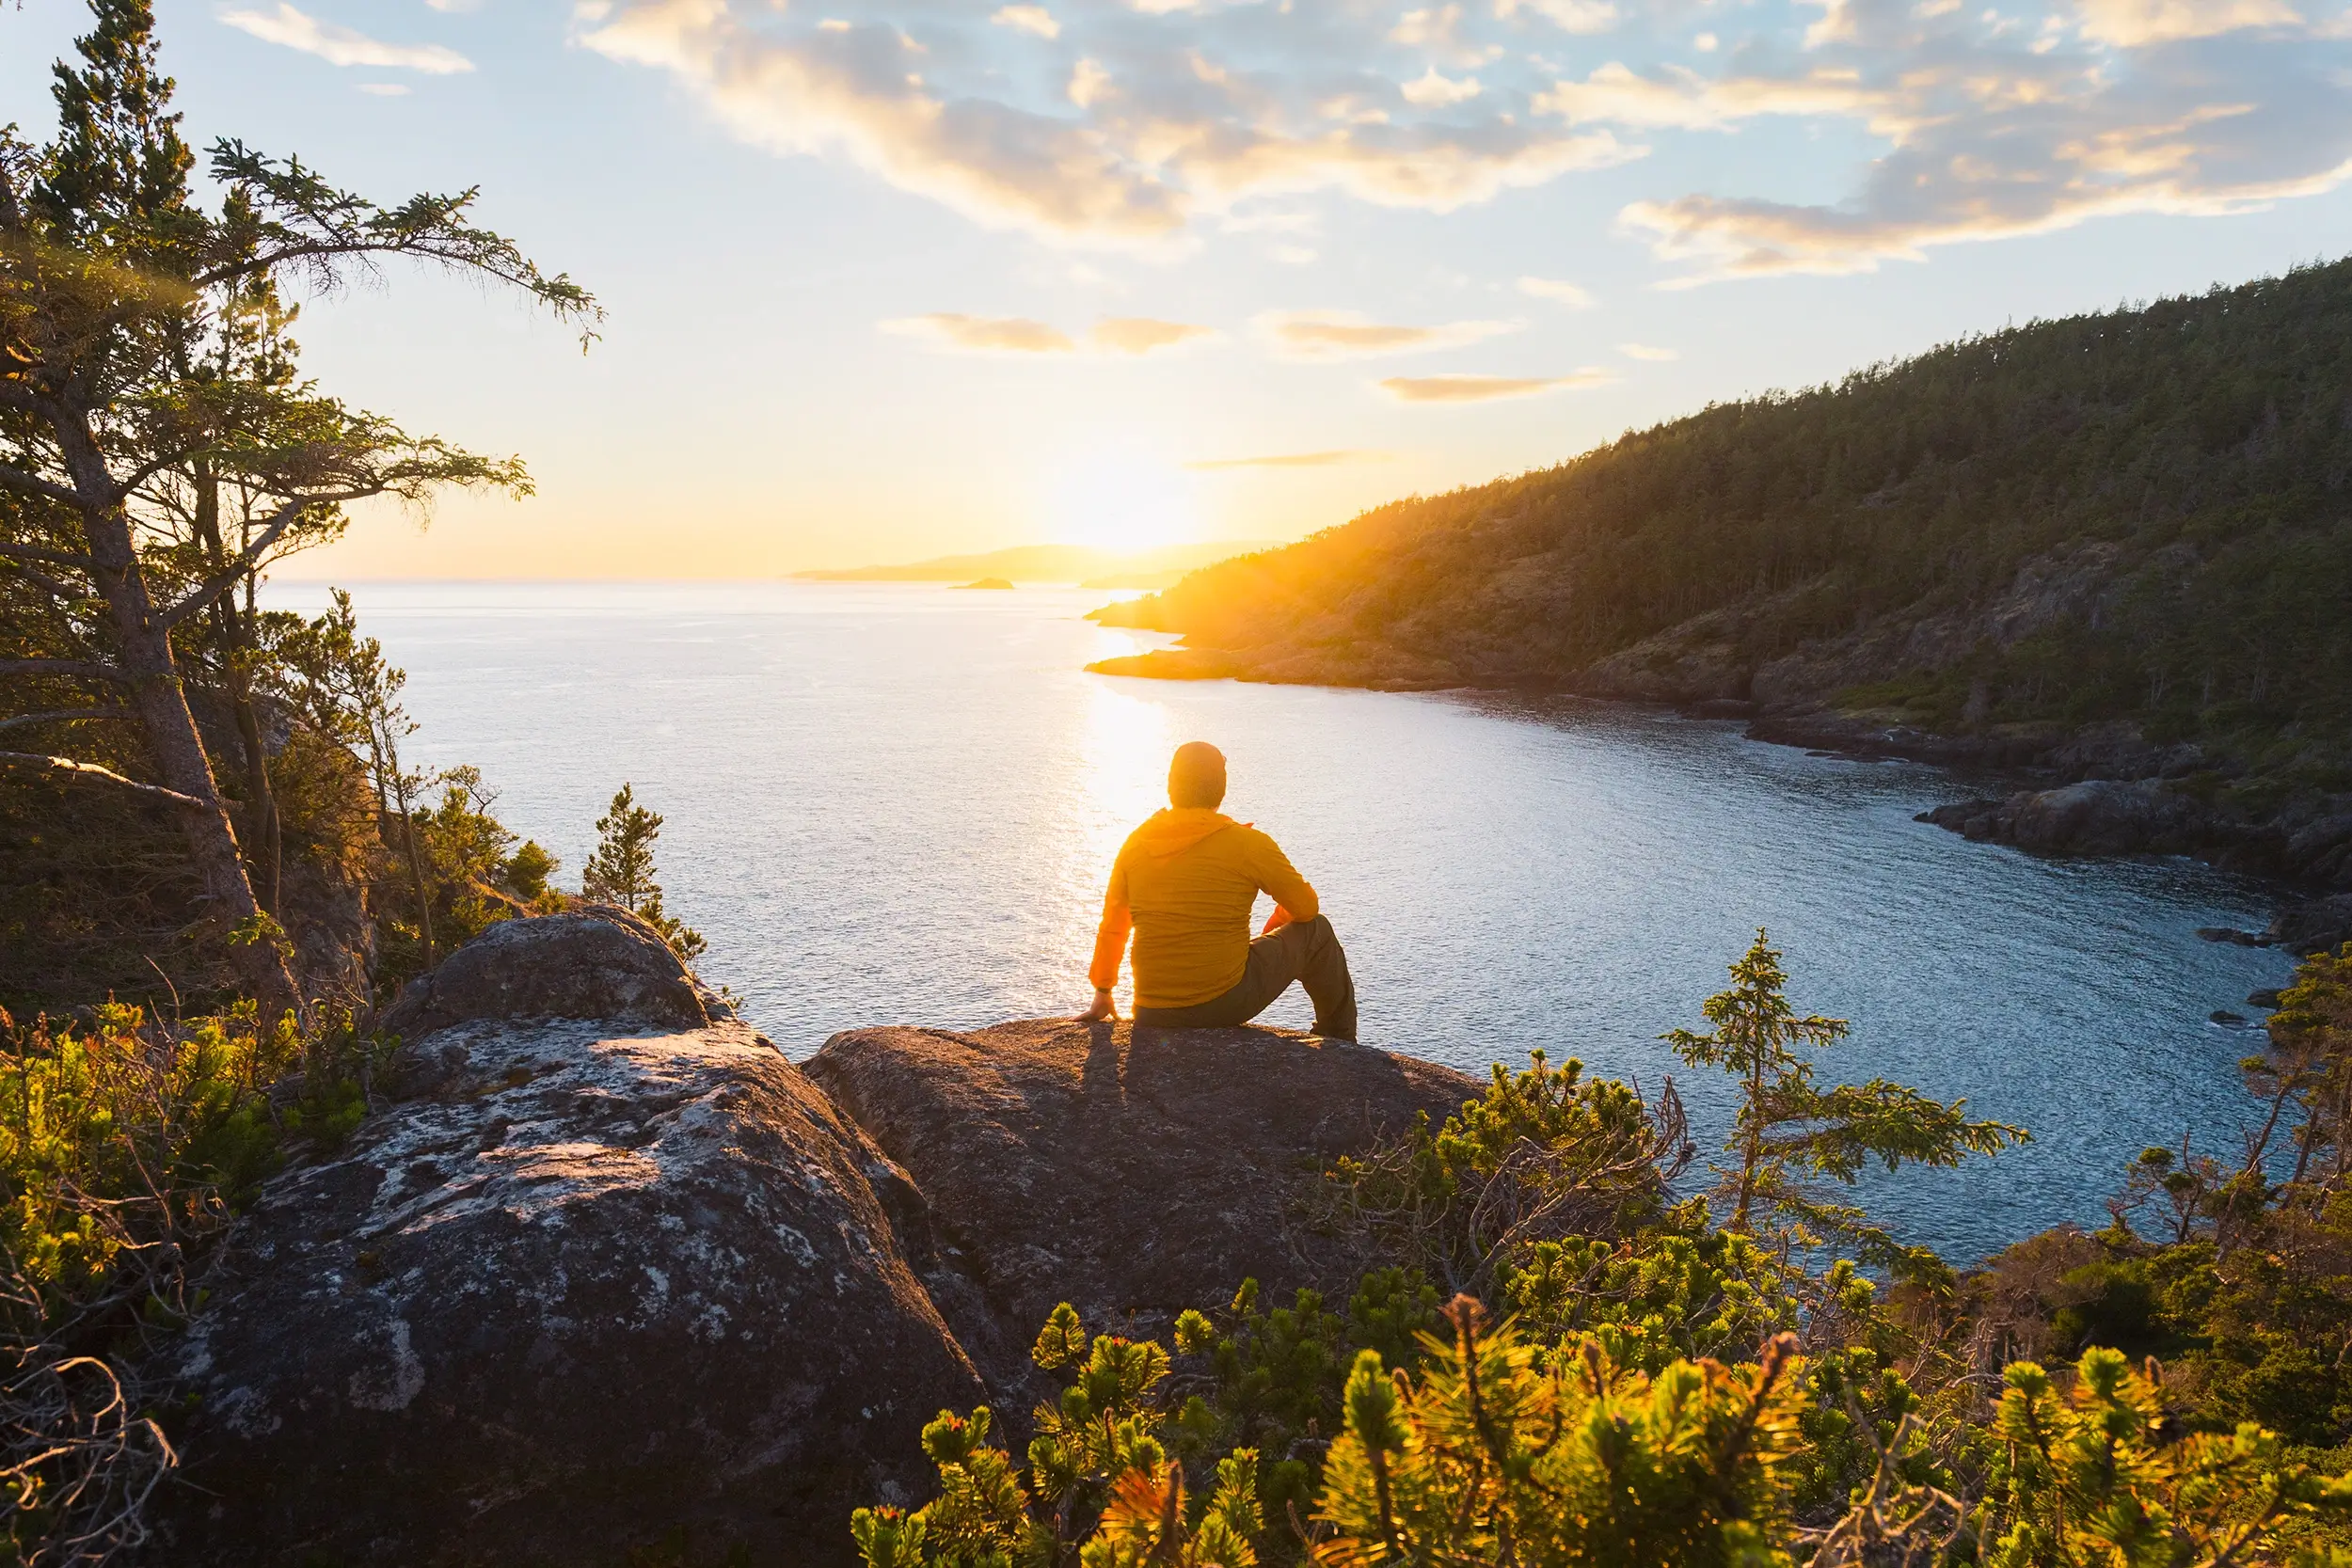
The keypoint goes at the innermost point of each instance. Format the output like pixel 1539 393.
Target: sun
pixel 1119 498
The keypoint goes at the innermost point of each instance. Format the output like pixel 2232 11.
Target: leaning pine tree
pixel 156 448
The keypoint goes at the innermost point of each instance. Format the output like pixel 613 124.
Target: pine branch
pixel 78 669
pixel 33 484
pixel 107 775
pixel 235 572
pixel 34 552
pixel 60 715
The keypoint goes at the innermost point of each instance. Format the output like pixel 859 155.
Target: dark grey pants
pixel 1305 951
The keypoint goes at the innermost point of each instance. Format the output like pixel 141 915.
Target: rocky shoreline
pixel 2100 790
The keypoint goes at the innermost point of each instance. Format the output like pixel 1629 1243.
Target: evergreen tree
pixel 1790 1133
pixel 147 388
pixel 622 870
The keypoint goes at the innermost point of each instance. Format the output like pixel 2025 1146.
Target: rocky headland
pixel 602 1272
pixel 2109 550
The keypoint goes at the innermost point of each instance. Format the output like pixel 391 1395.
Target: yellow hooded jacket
pixel 1184 882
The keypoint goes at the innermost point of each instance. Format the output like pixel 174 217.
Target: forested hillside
pixel 2121 540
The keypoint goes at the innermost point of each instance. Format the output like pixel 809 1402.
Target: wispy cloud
pixel 1029 19
pixel 1430 90
pixel 1176 117
pixel 1997 126
pixel 1558 290
pixel 1322 335
pixel 385 89
pixel 1142 334
pixel 1643 351
pixel 341 45
pixel 2134 23
pixel 1569 16
pixel 1485 388
pixel 1140 124
pixel 1129 336
pixel 1292 460
pixel 963 334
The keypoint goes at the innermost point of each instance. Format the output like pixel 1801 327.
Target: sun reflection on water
pixel 1121 778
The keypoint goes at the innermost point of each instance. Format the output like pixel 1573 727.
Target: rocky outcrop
pixel 1131 1172
pixel 597 961
pixel 2312 926
pixel 2097 816
pixel 607 1272
pixel 594 1283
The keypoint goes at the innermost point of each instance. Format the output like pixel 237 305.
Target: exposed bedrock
pixel 588 1284
pixel 1131 1172
pixel 2156 816
pixel 597 961
pixel 596 1281
pixel 2097 816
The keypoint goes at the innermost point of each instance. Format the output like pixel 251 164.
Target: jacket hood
pixel 1178 829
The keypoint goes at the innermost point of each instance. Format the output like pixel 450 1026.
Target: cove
pixel 895 804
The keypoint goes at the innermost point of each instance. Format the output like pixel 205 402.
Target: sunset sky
pixel 904 277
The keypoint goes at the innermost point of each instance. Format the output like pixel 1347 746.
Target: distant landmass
pixel 2116 547
pixel 1083 564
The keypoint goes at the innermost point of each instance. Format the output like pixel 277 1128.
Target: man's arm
pixel 1294 898
pixel 1110 943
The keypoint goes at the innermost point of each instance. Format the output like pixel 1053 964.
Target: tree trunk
pixel 232 629
pixel 262 799
pixel 162 706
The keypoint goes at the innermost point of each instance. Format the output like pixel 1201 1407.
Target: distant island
pixel 1083 564
pixel 987 582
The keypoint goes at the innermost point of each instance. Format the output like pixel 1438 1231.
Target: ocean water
pixel 897 804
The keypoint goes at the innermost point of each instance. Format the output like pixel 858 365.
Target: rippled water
pixel 896 804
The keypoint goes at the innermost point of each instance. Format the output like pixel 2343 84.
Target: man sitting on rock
pixel 1183 883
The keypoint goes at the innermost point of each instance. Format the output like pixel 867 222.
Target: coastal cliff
pixel 605 1271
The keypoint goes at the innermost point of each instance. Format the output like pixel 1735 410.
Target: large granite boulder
pixel 595 961
pixel 1131 1172
pixel 601 1284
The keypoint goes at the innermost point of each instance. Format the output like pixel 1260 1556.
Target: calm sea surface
pixel 896 804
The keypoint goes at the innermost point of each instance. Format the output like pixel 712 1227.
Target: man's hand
pixel 1104 1011
pixel 1275 921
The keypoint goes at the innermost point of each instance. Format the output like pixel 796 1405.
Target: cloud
pixel 1643 351
pixel 1556 289
pixel 1430 88
pixel 1291 460
pixel 1089 83
pixel 1142 124
pixel 1485 388
pixel 1132 336
pixel 2133 24
pixel 962 334
pixel 341 45
pixel 1142 334
pixel 1124 124
pixel 385 89
pixel 1029 19
pixel 1681 98
pixel 1326 335
pixel 1995 126
pixel 1569 16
